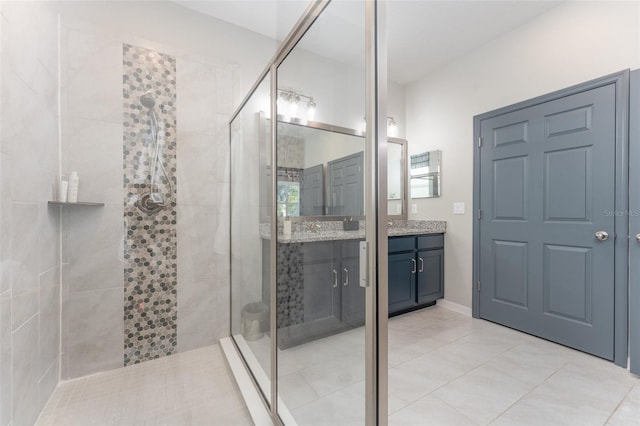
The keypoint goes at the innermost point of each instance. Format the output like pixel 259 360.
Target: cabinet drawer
pixel 430 241
pixel 401 244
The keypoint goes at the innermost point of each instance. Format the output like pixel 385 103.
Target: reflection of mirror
pixel 397 178
pixel 320 171
pixel 425 174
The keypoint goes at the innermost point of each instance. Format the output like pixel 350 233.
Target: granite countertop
pixel 305 232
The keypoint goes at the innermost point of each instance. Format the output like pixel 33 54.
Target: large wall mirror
pixel 320 171
pixel 426 174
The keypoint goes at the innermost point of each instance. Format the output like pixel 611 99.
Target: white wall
pixel 570 44
pixel 29 244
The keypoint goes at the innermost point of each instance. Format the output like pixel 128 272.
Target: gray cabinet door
pixel 345 176
pixel 353 296
pixel 322 290
pixel 312 191
pixel 402 281
pixel 547 186
pixel 430 275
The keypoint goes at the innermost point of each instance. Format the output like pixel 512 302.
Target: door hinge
pixel 479 214
pixel 478 285
pixel 479 141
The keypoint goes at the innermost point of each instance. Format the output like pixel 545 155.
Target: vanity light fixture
pixel 392 126
pixel 311 110
pixel 289 102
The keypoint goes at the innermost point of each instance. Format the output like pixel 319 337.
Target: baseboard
pixel 456 307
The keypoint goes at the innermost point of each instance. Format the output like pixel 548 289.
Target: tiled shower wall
pixel 29 235
pixel 150 249
pixel 94 239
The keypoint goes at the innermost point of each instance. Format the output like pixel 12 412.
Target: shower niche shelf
pixel 79 203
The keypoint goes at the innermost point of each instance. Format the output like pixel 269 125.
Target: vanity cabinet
pixel 416 272
pixel 330 299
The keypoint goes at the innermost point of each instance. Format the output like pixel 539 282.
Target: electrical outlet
pixel 414 208
pixel 458 208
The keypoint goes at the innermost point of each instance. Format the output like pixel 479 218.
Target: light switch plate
pixel 458 208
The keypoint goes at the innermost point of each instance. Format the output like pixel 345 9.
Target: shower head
pixel 147 100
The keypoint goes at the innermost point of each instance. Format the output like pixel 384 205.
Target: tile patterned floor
pixel 444 369
pixel 190 388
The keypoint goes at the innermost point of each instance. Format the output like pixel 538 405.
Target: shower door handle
pixel 346 277
pixel 335 278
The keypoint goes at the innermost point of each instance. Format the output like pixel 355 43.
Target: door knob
pixel 638 238
pixel 602 235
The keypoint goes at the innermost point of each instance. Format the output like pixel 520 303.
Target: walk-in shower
pixel 152 200
pixel 305 204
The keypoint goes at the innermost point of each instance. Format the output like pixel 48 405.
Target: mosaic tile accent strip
pixel 150 253
pixel 290 146
pixel 290 285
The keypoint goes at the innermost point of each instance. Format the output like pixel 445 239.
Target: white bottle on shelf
pixel 63 191
pixel 74 180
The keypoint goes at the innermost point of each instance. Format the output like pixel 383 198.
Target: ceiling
pixel 423 35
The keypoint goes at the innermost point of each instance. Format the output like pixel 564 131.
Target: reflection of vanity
pixel 320 177
pixel 318 275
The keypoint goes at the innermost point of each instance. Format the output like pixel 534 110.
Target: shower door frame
pixel 376 233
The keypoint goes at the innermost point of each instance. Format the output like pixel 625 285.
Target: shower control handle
pixel 346 277
pixel 335 278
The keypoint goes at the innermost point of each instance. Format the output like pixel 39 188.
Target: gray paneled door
pixel 346 183
pixel 547 187
pixel 312 191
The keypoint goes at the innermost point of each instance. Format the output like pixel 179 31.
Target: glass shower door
pixel 308 222
pixel 321 298
pixel 250 231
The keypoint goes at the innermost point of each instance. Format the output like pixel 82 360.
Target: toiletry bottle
pixel 286 228
pixel 73 188
pixel 63 189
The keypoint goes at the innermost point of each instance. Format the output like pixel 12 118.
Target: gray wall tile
pixel 24 244
pixel 5 358
pixel 49 320
pixel 95 331
pixel 25 373
pixel 92 59
pixel 24 307
pixel 47 384
pixel 95 152
pixel 196 169
pixel 196 314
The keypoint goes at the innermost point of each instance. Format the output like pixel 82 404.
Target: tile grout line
pixel 529 392
pixel 619 404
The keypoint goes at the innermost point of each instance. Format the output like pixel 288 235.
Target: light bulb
pixel 293 106
pixel 311 110
pixel 392 127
